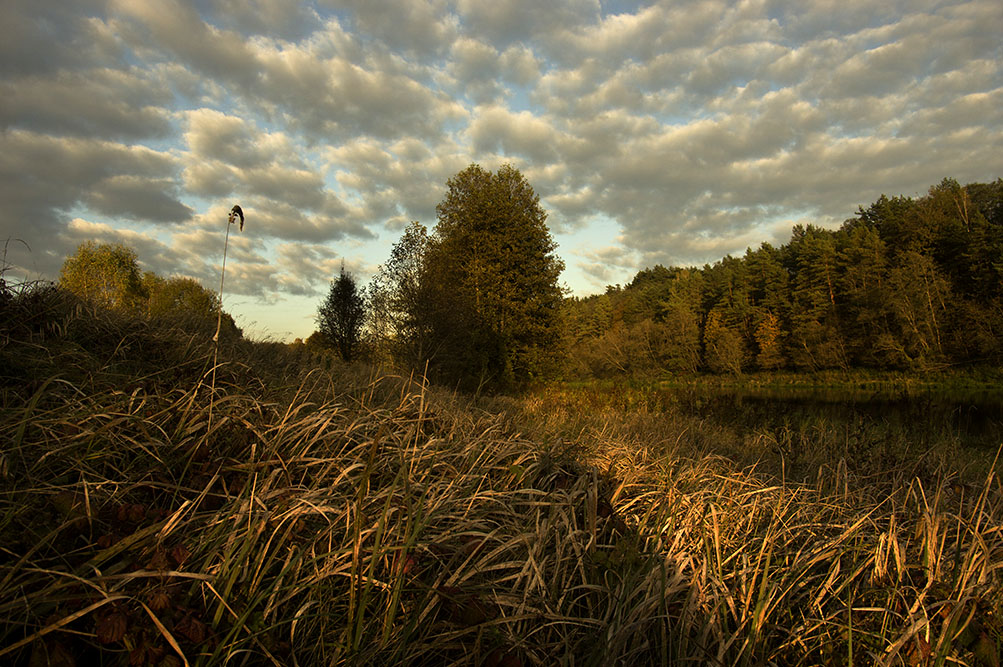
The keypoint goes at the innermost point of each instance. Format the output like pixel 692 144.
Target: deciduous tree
pixel 493 255
pixel 105 274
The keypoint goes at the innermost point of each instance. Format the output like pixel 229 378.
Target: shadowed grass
pixel 334 516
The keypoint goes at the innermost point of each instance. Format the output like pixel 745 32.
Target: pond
pixel 970 418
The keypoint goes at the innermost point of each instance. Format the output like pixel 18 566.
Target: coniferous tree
pixel 341 316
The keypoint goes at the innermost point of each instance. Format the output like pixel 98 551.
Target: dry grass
pixel 331 516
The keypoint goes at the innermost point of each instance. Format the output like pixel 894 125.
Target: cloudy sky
pixel 655 132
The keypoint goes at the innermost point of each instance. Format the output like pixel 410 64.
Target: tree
pixel 341 315
pixel 920 305
pixel 816 341
pixel 680 313
pixel 768 338
pixel 400 302
pixel 493 256
pixel 184 300
pixel 723 348
pixel 105 274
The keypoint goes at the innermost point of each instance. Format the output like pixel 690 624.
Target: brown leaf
pixel 137 656
pixel 988 651
pixel 410 564
pixel 160 600
pixel 158 561
pixel 72 508
pixel 111 628
pixel 918 654
pixel 500 657
pixel 136 513
pixel 180 554
pixel 192 628
pixel 462 608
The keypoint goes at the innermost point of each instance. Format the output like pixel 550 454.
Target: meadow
pixel 308 512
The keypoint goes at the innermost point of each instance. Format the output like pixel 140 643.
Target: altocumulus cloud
pixel 671 132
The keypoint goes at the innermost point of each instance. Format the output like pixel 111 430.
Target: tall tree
pixel 341 315
pixel 816 341
pixel 400 300
pixel 493 254
pixel 105 274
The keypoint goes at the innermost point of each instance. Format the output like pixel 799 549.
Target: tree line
pixel 912 284
pixel 474 302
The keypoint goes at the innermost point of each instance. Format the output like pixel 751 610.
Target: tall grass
pixel 333 516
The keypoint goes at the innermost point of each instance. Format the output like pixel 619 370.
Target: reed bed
pixel 332 515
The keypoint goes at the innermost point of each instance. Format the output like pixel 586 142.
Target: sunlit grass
pixel 335 516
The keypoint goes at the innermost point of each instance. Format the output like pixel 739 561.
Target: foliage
pixel 494 255
pixel 185 300
pixel 341 316
pixel 399 298
pixel 477 301
pixel 905 284
pixel 105 274
pixel 723 346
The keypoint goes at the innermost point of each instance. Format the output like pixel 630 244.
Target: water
pixel 973 419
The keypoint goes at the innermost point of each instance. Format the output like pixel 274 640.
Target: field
pixel 306 512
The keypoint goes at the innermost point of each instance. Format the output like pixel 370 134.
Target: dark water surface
pixel 971 418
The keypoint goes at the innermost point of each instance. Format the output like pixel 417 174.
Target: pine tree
pixel 341 316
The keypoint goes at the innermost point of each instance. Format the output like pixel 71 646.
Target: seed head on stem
pixel 235 212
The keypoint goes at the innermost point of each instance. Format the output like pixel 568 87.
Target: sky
pixel 669 133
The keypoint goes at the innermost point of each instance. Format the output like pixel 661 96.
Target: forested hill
pixel 904 284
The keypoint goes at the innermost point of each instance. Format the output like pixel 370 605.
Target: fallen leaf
pixel 111 628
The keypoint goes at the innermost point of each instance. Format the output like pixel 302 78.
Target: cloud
pixel 43 178
pixel 670 132
pixel 176 29
pixel 495 128
pixel 507 21
pixel 105 102
pixel 306 268
pixel 138 198
pixel 269 18
pixel 397 181
pixel 41 38
pixel 606 265
pixel 420 28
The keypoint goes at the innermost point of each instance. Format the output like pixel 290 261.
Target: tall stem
pixel 222 274
pixel 219 323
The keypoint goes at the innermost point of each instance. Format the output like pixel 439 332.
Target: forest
pixel 905 284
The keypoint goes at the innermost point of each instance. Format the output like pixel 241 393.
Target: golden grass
pixel 333 516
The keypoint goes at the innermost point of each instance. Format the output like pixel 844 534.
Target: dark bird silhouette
pixel 237 211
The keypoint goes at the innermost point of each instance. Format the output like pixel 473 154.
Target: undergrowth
pixel 333 515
